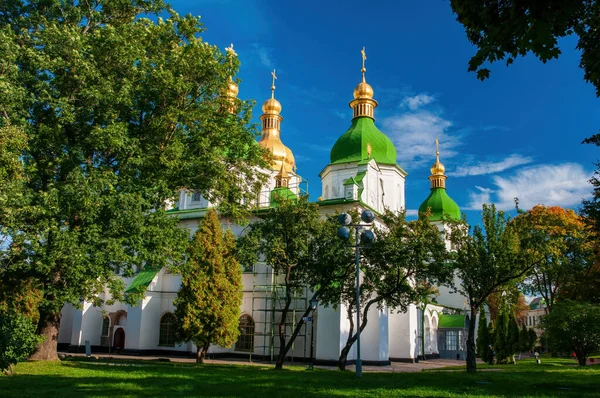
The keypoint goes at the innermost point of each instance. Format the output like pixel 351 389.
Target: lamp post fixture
pixel 314 303
pixel 365 237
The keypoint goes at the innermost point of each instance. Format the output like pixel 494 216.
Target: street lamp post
pixel 365 237
pixel 314 303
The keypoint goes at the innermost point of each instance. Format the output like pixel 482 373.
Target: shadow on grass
pixel 78 379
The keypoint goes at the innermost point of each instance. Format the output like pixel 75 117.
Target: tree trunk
pixel 581 358
pixel 346 349
pixel 352 338
pixel 48 328
pixel 201 350
pixel 282 345
pixel 471 353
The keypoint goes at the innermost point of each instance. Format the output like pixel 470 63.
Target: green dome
pixel 441 205
pixel 352 145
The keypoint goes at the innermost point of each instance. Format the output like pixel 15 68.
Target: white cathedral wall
pixel 375 337
pixel 66 324
pixel 403 334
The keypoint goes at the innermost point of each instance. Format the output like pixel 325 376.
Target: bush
pixel 573 327
pixel 17 340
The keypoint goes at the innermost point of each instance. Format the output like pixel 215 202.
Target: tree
pixel 513 337
pixel 207 307
pixel 501 342
pixel 303 253
pixel 487 261
pixel 118 113
pixel 574 327
pixel 526 342
pixel 564 242
pixel 508 29
pixel 483 339
pixel 400 268
pixel 17 340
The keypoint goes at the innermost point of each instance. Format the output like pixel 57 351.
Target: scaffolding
pixel 268 302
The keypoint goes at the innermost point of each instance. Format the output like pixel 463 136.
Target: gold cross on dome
pixel 437 148
pixel 364 57
pixel 273 85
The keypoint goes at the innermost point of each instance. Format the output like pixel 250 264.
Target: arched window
pixel 246 340
pixel 104 332
pixel 166 335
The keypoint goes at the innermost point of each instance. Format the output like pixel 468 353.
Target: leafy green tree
pixel 484 339
pixel 207 307
pixel 502 345
pixel 117 113
pixel 513 337
pixel 487 261
pixel 526 343
pixel 400 268
pixel 505 30
pixel 17 340
pixel 574 327
pixel 285 237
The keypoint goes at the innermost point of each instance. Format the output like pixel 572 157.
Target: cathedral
pixel 362 174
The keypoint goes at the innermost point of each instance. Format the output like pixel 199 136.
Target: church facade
pixel 362 174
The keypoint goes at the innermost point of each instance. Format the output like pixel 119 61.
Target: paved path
pixel 394 367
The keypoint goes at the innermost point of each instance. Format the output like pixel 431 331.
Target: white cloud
pixel 481 168
pixel 416 101
pixel 264 55
pixel 552 185
pixel 414 134
pixel 412 212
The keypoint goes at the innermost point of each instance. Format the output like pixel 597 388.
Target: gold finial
pixel 273 85
pixel 437 178
pixel 230 50
pixel 364 58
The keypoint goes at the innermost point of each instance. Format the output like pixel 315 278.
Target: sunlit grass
pixel 157 379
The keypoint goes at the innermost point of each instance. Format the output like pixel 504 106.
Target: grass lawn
pixel 554 377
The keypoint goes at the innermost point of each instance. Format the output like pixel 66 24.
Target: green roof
pixel 441 205
pixel 448 321
pixel 352 145
pixel 280 193
pixel 537 303
pixel 142 280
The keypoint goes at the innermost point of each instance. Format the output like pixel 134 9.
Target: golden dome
pixel 437 168
pixel 232 89
pixel 283 158
pixel 363 91
pixel 271 106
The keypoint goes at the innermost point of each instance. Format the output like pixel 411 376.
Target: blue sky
pixel 518 133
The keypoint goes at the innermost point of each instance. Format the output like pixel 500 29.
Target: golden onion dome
pixel 363 91
pixel 232 89
pixel 437 169
pixel 271 107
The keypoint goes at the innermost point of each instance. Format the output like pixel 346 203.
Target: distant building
pixel 537 310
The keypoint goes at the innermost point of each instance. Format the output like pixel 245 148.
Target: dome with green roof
pixel 438 203
pixel 363 140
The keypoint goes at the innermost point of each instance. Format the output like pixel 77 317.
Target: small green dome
pixel 441 205
pixel 352 145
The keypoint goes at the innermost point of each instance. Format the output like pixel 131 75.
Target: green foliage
pixel 208 303
pixel 574 327
pixel 513 336
pixel 302 250
pixel 484 339
pixel 17 339
pixel 502 345
pixel 508 29
pixel 488 261
pixel 526 342
pixel 565 243
pixel 400 268
pixel 104 115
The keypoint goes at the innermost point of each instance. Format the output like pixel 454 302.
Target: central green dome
pixel 441 206
pixel 353 145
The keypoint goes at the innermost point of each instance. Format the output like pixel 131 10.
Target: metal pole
pixel 312 340
pixel 358 361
